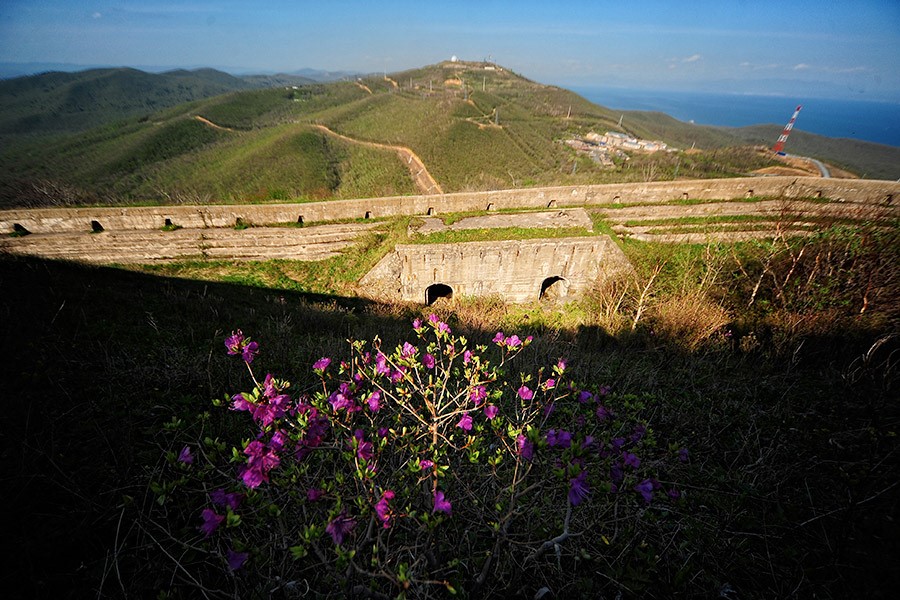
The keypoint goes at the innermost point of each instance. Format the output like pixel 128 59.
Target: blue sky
pixel 837 48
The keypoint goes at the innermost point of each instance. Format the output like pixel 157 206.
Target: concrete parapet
pixel 46 220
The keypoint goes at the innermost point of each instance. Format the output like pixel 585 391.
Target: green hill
pixel 64 102
pixel 476 126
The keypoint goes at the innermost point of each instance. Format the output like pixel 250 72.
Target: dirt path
pixel 211 124
pixel 423 179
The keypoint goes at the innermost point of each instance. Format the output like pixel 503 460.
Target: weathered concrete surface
pixel 515 270
pixel 557 219
pixel 146 247
pixel 153 217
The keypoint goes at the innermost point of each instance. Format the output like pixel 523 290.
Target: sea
pixel 872 121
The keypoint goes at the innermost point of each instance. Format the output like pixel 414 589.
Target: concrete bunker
pixel 553 289
pixel 437 291
pixel 515 270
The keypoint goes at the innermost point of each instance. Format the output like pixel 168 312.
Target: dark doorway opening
pixel 96 227
pixel 437 291
pixel 553 288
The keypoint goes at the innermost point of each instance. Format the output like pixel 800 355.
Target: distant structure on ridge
pixel 778 148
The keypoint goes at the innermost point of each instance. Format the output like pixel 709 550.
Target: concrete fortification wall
pixel 518 271
pixel 47 220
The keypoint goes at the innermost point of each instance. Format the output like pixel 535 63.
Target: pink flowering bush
pixel 429 465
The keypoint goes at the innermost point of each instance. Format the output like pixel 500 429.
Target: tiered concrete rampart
pixel 518 271
pixel 154 217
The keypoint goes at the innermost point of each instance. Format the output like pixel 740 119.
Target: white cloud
pixel 801 67
pixel 691 58
pixel 96 15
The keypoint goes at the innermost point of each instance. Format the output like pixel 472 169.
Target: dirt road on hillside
pixel 211 124
pixel 423 179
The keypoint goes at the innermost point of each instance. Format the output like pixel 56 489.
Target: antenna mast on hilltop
pixel 778 148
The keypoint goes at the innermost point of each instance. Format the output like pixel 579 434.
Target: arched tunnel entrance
pixel 553 288
pixel 436 291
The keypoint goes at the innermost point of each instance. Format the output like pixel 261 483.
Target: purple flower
pixel 417 324
pixel 279 438
pixel 478 394
pixel 250 351
pixel 467 357
pixel 588 442
pixel 433 319
pixel 683 455
pixel 513 341
pixel 631 460
pixel 585 396
pixel 549 384
pixel 321 364
pixel 397 376
pixel 383 432
pixel 604 390
pixel 383 509
pixel 211 521
pixel 238 402
pixel 525 393
pixel 232 500
pixel 441 504
pixel 342 398
pixel 578 488
pixel 602 413
pixel 374 401
pixel 498 339
pixel 645 489
pixel 260 461
pixel 443 327
pixel 381 366
pixel 428 361
pixel 561 365
pixel 185 456
pixel 425 464
pixel 490 411
pixel 364 450
pixel 235 559
pixel 235 342
pixel 408 350
pixel 638 434
pixel 313 494
pixel 465 423
pixel 339 527
pixel 674 494
pixel 561 439
pixel 524 447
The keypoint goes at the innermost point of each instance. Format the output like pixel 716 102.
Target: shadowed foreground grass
pixel 791 489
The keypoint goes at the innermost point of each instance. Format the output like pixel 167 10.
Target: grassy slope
pixel 793 445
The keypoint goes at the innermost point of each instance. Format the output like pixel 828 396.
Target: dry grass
pixel 688 320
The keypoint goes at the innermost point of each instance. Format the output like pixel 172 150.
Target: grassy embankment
pixel 774 360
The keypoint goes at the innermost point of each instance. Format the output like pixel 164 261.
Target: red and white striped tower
pixel 779 145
